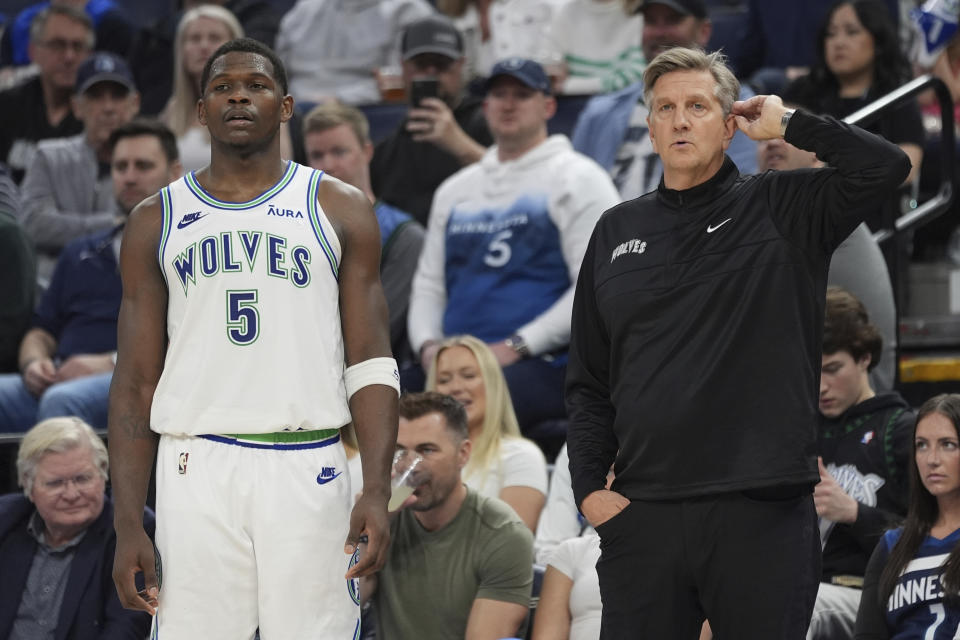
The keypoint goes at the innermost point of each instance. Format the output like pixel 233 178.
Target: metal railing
pixel 940 202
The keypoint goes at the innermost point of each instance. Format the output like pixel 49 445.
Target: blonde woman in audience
pixel 200 32
pixel 503 464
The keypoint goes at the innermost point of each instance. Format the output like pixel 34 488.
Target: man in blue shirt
pixel 612 129
pixel 66 359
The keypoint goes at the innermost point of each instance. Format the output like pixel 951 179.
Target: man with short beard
pixel 460 564
pixel 66 358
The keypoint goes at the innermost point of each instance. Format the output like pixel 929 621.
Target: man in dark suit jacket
pixel 57 542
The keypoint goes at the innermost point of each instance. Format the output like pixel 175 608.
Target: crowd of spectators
pixel 484 217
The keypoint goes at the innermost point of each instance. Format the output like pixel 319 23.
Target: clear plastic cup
pixel 403 477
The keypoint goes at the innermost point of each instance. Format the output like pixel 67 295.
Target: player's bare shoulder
pixel 347 208
pixel 142 232
pixel 146 217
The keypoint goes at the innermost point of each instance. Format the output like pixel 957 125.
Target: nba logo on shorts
pixel 183 463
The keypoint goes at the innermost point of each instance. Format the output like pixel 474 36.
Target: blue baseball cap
pixel 103 67
pixel 526 71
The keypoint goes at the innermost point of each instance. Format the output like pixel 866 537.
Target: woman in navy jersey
pixel 912 586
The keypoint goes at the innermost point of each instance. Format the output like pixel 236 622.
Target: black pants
pixel 751 566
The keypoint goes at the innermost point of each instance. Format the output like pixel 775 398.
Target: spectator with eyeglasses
pixel 111 24
pixel 57 541
pixel 61 38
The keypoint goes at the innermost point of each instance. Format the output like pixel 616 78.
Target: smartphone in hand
pixel 423 88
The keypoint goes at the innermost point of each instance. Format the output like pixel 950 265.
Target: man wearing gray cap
pixel 612 129
pixel 441 133
pixel 67 191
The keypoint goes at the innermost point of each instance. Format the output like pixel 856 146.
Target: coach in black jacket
pixel 695 351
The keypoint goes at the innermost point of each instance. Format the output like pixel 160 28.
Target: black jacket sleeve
pixel 871 624
pixel 591 442
pixel 863 169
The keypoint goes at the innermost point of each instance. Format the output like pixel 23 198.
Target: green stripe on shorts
pixel 285 436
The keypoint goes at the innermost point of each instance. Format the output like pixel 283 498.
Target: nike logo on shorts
pixel 328 474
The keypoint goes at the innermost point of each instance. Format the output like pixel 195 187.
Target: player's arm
pixel 141 345
pixel 366 336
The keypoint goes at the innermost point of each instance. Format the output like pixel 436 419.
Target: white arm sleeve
pixel 584 191
pixel 428 292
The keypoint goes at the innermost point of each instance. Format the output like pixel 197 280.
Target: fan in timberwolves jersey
pixel 912 586
pixel 252 328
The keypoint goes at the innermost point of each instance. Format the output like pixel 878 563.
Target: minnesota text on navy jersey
pixel 698 356
pixel 916 608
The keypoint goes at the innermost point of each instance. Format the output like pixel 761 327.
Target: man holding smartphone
pixel 444 129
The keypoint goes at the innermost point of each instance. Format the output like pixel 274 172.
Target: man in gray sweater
pixel 66 192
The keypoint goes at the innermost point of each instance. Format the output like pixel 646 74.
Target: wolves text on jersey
pixel 232 252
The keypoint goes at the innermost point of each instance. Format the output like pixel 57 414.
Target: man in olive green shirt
pixel 460 564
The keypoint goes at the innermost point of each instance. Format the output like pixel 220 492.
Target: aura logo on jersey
pixel 238 251
pixel 283 213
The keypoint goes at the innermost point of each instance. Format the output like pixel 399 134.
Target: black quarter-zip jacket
pixel 698 318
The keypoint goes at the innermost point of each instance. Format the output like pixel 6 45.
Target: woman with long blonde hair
pixel 503 464
pixel 200 32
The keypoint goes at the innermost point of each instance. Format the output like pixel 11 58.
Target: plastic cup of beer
pixel 403 477
pixel 392 88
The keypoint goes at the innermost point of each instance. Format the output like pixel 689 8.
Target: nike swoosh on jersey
pixel 189 219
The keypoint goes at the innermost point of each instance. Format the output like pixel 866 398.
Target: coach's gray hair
pixel 57 435
pixel 727 88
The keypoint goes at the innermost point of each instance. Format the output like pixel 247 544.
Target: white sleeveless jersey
pixel 253 317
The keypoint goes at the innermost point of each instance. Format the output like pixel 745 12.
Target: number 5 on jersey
pixel 243 317
pixel 498 251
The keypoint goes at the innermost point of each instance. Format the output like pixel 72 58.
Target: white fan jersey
pixel 253 317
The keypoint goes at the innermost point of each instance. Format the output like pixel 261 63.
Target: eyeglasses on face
pixel 61 46
pixel 82 482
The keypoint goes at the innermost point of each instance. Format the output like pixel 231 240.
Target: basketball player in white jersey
pixel 253 325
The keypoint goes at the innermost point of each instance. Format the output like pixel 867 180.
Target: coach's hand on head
pixel 135 554
pixel 759 117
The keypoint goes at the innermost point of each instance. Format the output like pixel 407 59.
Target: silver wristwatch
pixel 785 120
pixel 518 344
